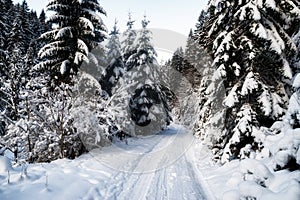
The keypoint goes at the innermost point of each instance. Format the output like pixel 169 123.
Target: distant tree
pixel 9 12
pixel 128 44
pixel 177 61
pixel 16 36
pixel 115 67
pixel 3 26
pixel 28 21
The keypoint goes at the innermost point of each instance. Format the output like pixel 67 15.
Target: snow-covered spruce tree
pixel 78 30
pixel 251 46
pixel 3 26
pixel 36 27
pixel 128 44
pixel 45 129
pixel 15 73
pixel 8 14
pixel 15 70
pixel 169 83
pixel 148 107
pixel 17 38
pixel 284 149
pixel 193 90
pixel 115 67
pixel 177 61
pixel 3 95
pixel 27 22
pixel 293 113
pixel 281 142
pixel 3 61
pixel 193 61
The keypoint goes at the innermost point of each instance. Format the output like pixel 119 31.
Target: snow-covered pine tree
pixel 27 23
pixel 16 36
pixel 282 139
pixel 9 14
pixel 44 26
pixel 293 114
pixel 12 81
pixel 177 61
pixel 38 26
pixel 79 29
pixel 3 94
pixel 115 67
pixel 3 26
pixel 169 84
pixel 128 44
pixel 148 107
pixel 191 48
pixel 193 56
pixel 3 64
pixel 251 46
pixel 15 68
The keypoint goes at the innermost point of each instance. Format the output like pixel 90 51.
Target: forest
pixel 69 85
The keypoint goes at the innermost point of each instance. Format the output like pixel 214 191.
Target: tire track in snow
pixel 122 183
pixel 144 180
pixel 172 177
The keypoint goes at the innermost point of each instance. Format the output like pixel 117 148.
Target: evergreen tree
pixel 293 114
pixel 177 61
pixel 3 94
pixel 148 107
pixel 38 26
pixel 16 37
pixel 44 26
pixel 27 23
pixel 3 26
pixel 9 12
pixel 80 29
pixel 190 50
pixel 193 61
pixel 115 68
pixel 251 48
pixel 15 70
pixel 128 45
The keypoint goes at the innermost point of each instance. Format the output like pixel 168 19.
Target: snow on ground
pixel 170 165
pixel 254 179
pixel 153 167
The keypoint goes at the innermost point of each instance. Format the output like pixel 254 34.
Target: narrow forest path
pixel 153 167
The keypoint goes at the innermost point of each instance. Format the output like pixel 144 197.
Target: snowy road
pixel 154 167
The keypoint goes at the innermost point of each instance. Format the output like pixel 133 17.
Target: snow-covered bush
pixel 5 164
pixel 257 180
pixel 274 174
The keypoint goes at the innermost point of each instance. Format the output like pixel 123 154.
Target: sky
pixel 170 20
pixel 174 15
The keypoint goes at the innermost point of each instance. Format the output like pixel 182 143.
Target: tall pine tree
pixel 115 68
pixel 79 30
pixel 128 45
pixel 148 107
pixel 251 45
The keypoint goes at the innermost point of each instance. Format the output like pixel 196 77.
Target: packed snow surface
pixel 153 167
pixel 168 166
